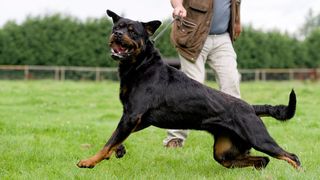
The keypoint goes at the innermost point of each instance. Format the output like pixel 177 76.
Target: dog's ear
pixel 151 27
pixel 115 17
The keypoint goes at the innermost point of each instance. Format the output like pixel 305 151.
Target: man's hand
pixel 237 30
pixel 179 11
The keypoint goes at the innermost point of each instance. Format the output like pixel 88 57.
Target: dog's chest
pixel 124 93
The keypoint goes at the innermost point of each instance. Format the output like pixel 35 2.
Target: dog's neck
pixel 145 59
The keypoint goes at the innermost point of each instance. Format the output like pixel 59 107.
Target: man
pixel 203 32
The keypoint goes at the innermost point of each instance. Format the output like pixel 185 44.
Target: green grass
pixel 47 126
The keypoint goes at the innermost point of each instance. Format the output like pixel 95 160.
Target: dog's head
pixel 129 38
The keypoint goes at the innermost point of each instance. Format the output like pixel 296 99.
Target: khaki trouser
pixel 219 54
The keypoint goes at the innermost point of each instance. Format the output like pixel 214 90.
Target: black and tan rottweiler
pixel 153 93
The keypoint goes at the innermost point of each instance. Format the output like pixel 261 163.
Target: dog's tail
pixel 279 112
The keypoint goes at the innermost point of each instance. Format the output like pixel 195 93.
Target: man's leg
pixel 223 60
pixel 195 71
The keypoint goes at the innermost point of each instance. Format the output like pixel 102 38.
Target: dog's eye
pixel 131 31
pixel 119 26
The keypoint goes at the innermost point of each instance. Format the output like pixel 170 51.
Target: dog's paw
pixel 86 164
pixel 120 151
pixel 262 163
pixel 296 162
pixel 265 162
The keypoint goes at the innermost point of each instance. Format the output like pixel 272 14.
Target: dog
pixel 153 93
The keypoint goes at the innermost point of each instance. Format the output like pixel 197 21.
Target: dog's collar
pixel 135 68
pixel 141 64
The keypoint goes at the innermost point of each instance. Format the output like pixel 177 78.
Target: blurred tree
pixel 258 49
pixel 66 41
pixel 163 42
pixel 312 21
pixel 312 43
pixel 249 54
pixel 56 40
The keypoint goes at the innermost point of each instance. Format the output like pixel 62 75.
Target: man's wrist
pixel 176 3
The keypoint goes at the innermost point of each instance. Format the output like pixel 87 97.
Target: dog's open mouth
pixel 120 51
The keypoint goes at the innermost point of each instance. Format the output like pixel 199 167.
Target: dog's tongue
pixel 118 48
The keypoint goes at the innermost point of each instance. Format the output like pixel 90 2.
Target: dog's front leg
pixel 126 125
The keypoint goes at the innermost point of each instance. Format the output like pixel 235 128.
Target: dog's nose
pixel 118 34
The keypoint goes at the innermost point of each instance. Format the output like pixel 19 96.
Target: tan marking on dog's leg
pixel 291 162
pixel 105 153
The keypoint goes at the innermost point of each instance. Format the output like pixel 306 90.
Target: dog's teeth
pixel 126 51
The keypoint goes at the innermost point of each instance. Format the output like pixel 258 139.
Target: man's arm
pixel 178 9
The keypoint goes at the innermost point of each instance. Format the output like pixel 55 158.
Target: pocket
pixel 199 5
pixel 184 32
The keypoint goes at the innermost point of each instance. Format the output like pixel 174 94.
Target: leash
pixel 153 40
pixel 181 20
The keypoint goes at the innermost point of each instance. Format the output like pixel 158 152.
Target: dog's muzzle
pixel 119 52
pixel 120 49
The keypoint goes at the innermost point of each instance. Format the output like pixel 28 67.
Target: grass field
pixel 47 126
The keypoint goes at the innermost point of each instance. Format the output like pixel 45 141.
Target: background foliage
pixel 64 40
pixel 56 40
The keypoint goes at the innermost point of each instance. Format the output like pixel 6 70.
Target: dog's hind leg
pixel 260 140
pixel 267 145
pixel 232 152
